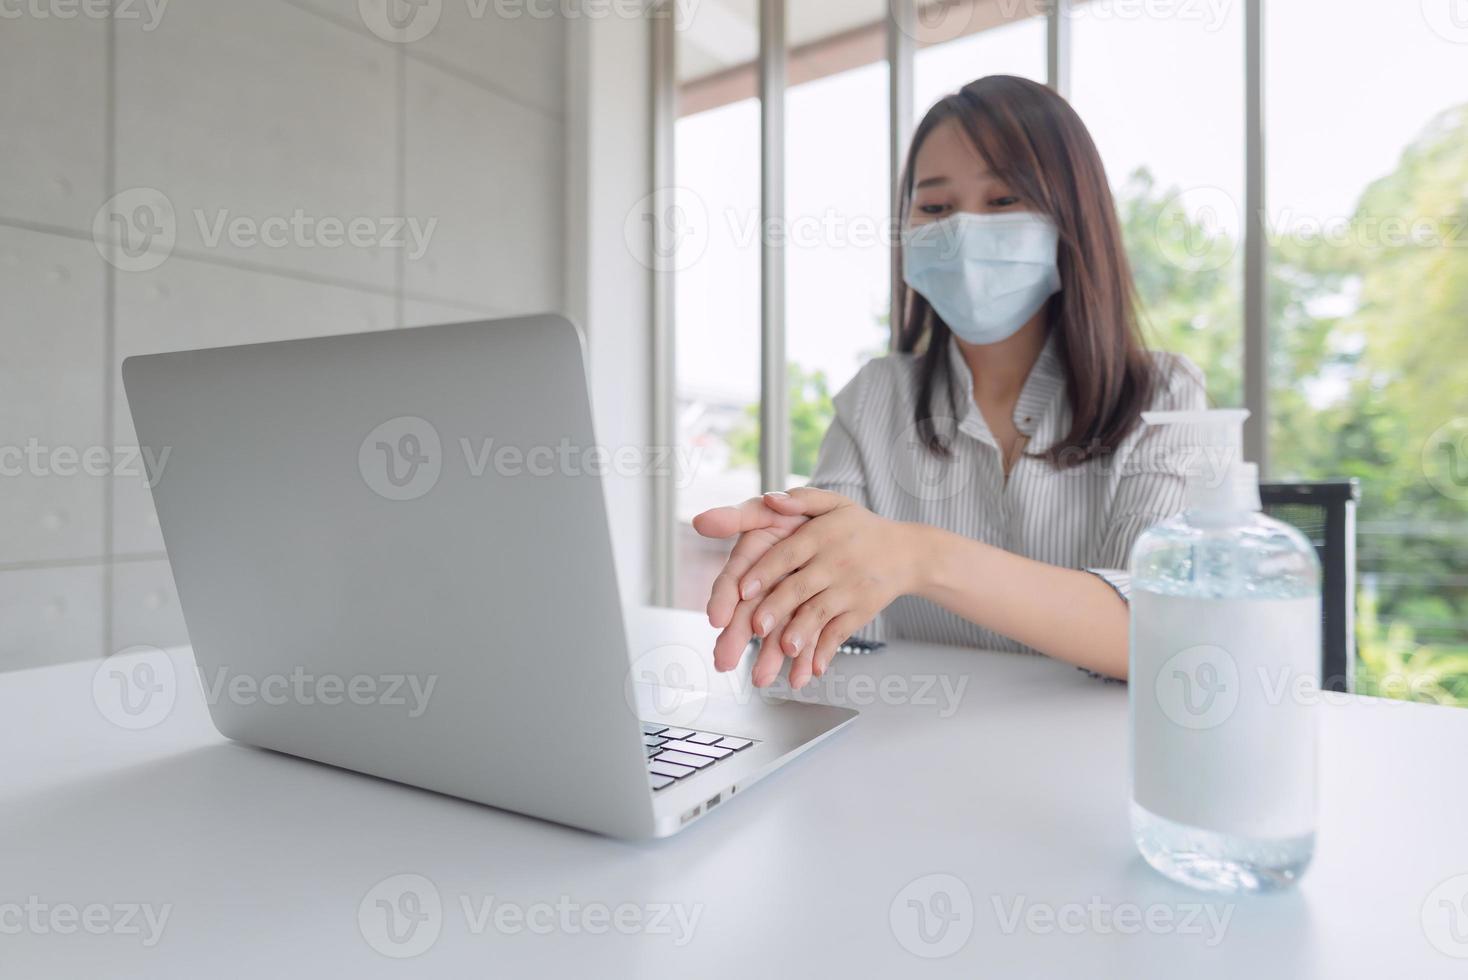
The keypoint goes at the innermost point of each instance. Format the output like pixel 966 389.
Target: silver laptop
pixel 393 555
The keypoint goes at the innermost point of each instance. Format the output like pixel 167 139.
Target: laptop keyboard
pixel 676 753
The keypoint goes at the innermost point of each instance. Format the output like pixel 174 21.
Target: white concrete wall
pixel 609 284
pixel 488 124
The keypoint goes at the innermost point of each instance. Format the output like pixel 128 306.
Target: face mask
pixel 984 274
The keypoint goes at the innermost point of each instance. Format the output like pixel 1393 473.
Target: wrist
pixel 926 554
pixel 945 564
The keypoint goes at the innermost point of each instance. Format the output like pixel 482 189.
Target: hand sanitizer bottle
pixel 1225 676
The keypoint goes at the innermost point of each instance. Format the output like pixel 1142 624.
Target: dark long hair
pixel 1032 139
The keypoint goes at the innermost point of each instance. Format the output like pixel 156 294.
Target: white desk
pixel 1020 794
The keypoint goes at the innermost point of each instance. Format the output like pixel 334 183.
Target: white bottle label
pixel 1223 700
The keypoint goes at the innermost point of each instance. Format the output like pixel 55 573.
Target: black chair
pixel 1325 512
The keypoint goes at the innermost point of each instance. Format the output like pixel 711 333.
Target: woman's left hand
pixel 828 579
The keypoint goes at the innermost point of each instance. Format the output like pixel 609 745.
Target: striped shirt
pixel 1086 517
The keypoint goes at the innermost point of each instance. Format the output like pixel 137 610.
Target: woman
pixel 984 485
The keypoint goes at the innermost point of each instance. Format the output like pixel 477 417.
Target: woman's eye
pixel 1007 201
pixel 932 208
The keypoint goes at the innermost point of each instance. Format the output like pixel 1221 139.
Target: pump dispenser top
pixel 1219 481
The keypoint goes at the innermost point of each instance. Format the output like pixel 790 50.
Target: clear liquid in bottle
pixel 1224 688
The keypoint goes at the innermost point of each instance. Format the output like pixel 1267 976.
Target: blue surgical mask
pixel 984 274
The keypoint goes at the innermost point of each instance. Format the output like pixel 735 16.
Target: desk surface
pixel 987 792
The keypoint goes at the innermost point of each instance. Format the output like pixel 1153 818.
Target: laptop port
pixel 713 801
pixel 691 814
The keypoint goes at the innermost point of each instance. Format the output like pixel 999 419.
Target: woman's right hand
pixel 759 529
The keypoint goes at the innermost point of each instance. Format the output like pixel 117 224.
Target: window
pixel 1179 187
pixel 1361 295
pixel 965 41
pixel 716 281
pixel 1368 224
pixel 838 190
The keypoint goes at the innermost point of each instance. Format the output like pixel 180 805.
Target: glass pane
pixel 716 280
pixel 837 194
pixel 1174 152
pixel 1368 223
pixel 967 40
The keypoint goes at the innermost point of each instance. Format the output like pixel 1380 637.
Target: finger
pixel 778 562
pixel 725 522
pixel 767 665
pixel 808 622
pixel 734 638
pixel 804 500
pixel 776 636
pixel 836 632
pixel 724 595
pixel 802 668
pixel 788 596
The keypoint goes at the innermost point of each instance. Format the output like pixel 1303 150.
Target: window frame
pixel 900 48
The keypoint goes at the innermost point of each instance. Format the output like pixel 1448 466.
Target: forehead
pixel 948 152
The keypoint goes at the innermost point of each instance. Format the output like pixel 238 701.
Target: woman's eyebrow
pixel 938 181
